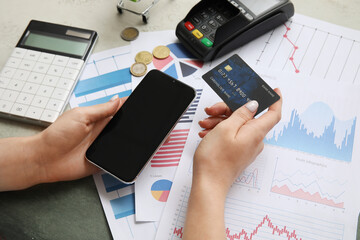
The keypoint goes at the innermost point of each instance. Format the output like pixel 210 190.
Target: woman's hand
pixel 57 153
pixel 231 141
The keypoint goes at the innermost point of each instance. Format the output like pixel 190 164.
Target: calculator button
pixel 40 101
pixel 49 116
pixel 212 37
pixel 205 29
pixel 75 63
pixel 19 109
pixel 34 112
pixel 46 58
pixel 13 62
pixel 26 65
pixel 55 105
pixel 31 88
pixel 45 91
pixel 207 42
pixel 55 70
pixel 212 23
pixel 41 67
pixel 220 19
pixel 19 52
pixel 10 95
pixel 36 77
pixel 5 106
pixel 50 80
pixel 21 75
pixel 4 82
pixel 65 83
pixel 32 55
pixel 16 85
pixel 189 26
pixel 60 60
pixel 249 17
pixel 25 98
pixel 60 94
pixel 8 72
pixel 197 34
pixel 70 73
pixel 196 20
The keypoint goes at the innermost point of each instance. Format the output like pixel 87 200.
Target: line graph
pixel 249 221
pixel 297 180
pixel 316 131
pixel 311 49
pixel 252 176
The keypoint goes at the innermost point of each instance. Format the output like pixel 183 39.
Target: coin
pixel 129 34
pixel 144 57
pixel 161 52
pixel 138 69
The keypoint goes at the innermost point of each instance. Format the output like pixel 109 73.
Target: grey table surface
pixel 72 210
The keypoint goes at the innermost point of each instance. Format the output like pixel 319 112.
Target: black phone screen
pixel 140 126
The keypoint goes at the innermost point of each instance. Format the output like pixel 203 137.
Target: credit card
pixel 236 84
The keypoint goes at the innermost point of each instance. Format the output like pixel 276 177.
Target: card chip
pixel 228 68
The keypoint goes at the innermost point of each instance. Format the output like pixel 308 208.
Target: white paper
pixel 320 202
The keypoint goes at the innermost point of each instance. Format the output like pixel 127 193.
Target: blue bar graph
pixel 123 206
pixel 111 183
pixel 102 82
pixel 105 99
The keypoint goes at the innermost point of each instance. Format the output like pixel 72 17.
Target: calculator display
pixel 56 44
pixel 260 6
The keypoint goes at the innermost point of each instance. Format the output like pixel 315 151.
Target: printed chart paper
pixel 287 192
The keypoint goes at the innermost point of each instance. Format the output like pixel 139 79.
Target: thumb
pixel 101 111
pixel 243 114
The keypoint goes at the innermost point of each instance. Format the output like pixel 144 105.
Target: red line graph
pixel 266 222
pixel 294 46
pixel 301 194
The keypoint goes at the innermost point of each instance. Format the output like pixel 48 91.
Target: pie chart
pixel 180 63
pixel 160 190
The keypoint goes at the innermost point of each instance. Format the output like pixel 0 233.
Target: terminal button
pixel 207 42
pixel 197 34
pixel 189 26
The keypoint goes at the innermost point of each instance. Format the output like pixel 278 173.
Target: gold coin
pixel 161 52
pixel 144 57
pixel 138 69
pixel 129 34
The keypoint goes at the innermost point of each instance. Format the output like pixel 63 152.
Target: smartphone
pixel 141 125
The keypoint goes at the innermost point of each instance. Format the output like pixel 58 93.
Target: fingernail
pixel 252 105
pixel 114 98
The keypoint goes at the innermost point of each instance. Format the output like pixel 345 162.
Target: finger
pixel 211 122
pixel 269 119
pixel 102 111
pixel 203 133
pixel 218 109
pixel 242 115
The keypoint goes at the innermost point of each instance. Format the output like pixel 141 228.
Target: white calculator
pixel 42 71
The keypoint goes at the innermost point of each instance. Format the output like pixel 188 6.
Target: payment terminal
pixel 213 28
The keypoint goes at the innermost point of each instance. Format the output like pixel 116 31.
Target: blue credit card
pixel 236 84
